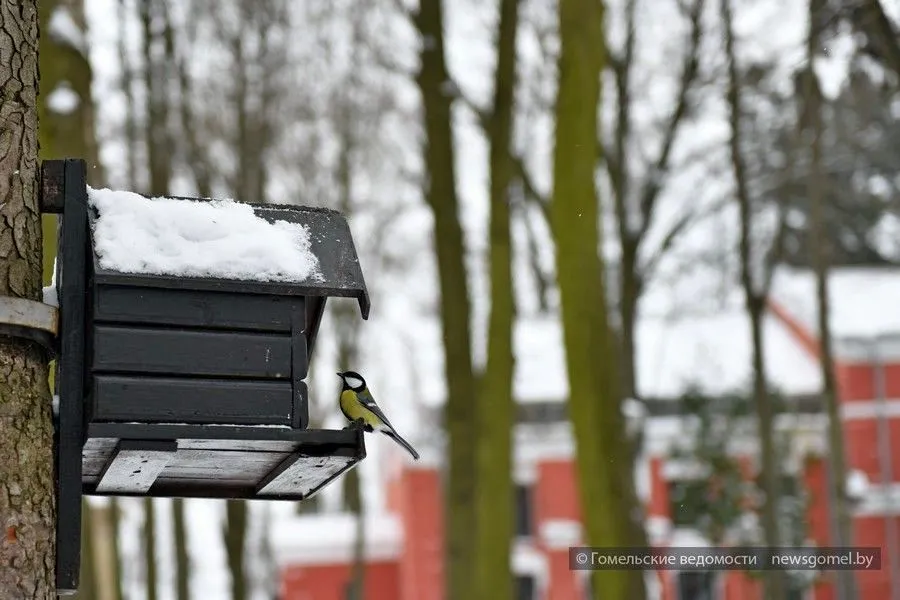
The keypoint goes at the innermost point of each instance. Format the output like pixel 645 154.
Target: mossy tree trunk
pixel 27 510
pixel 604 458
pixel 459 412
pixel 496 406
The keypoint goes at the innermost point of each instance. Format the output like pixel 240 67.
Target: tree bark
pixel 496 405
pixel 440 193
pixel 604 457
pixel 27 511
pixel 754 297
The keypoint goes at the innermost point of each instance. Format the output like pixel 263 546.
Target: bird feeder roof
pixel 213 245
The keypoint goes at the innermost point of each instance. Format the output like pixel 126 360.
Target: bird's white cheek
pixel 353 382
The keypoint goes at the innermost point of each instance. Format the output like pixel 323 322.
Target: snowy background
pixel 692 296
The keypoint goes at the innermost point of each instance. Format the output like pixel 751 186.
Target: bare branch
pixel 483 117
pixel 683 224
pixel 618 165
pixel 528 186
pixel 653 184
pixel 543 281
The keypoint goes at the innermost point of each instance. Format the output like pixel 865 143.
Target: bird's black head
pixel 352 380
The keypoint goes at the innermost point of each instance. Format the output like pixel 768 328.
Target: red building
pixel 404 539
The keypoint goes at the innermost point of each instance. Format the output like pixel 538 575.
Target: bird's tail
pixel 406 445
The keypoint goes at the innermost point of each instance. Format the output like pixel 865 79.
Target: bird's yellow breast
pixel 353 409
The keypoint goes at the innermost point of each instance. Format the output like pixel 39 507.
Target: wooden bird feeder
pixel 174 386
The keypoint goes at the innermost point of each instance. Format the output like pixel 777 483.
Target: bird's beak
pixel 341 375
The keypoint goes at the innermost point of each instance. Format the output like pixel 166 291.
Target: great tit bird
pixel 358 404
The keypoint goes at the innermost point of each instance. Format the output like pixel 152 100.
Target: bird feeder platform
pixel 187 386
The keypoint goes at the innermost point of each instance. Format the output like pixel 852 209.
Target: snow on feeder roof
pixel 195 238
pixel 222 244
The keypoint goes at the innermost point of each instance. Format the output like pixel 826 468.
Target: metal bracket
pixel 30 320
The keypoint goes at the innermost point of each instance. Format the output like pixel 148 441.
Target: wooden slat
pixel 308 437
pixel 159 399
pixel 73 251
pixel 216 310
pixel 135 466
pixel 299 366
pixel 186 352
pixel 301 475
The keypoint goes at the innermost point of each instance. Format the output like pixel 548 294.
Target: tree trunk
pixel 27 546
pixel 604 457
pixel 883 38
pixel 182 560
pixel 629 296
pixel 235 543
pixel 115 517
pixel 754 297
pixel 496 406
pixel 347 331
pixel 156 81
pixel 840 515
pixel 87 584
pixel 101 529
pixel 127 82
pixel 150 549
pixel 460 415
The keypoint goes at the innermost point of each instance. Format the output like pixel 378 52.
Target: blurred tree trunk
pixel 460 409
pixel 347 331
pixel 820 247
pixel 159 168
pixel 127 83
pixel 115 516
pixel 604 458
pixel 27 549
pixel 67 129
pixel 182 560
pixel 157 78
pixel 496 406
pixel 755 292
pixel 635 202
pixel 87 587
pixel 102 530
pixel 870 18
pixel 149 539
pixel 235 534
